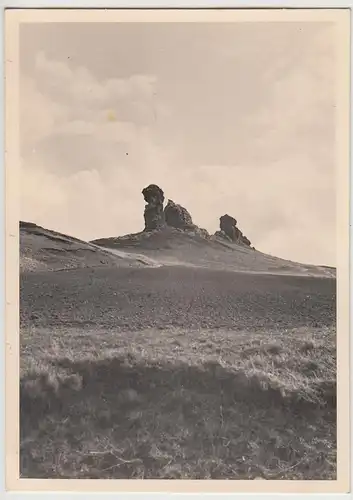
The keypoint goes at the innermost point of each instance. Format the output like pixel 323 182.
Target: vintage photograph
pixel 178 249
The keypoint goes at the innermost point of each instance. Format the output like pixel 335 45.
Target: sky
pixel 233 118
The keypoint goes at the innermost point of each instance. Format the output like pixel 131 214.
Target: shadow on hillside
pixel 155 380
pixel 194 413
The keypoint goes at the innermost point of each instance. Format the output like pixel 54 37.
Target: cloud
pixel 65 83
pixel 39 114
pixel 71 120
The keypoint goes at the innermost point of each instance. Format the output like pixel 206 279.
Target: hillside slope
pixel 171 246
pixel 45 250
pixel 42 249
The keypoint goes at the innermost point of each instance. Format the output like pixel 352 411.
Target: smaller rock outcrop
pixel 154 214
pixel 229 231
pixel 177 216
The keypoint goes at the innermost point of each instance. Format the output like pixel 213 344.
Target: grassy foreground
pixel 200 404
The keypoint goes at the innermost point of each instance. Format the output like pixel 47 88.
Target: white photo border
pixel 69 492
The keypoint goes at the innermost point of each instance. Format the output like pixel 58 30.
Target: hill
pixel 42 249
pixel 178 247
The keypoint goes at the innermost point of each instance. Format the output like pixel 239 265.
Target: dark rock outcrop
pixel 177 216
pixel 154 214
pixel 228 225
pixel 229 231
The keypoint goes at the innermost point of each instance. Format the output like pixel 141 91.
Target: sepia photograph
pixel 181 220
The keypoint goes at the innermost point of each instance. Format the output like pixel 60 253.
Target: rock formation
pixel 177 216
pixel 228 226
pixel 230 232
pixel 154 214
